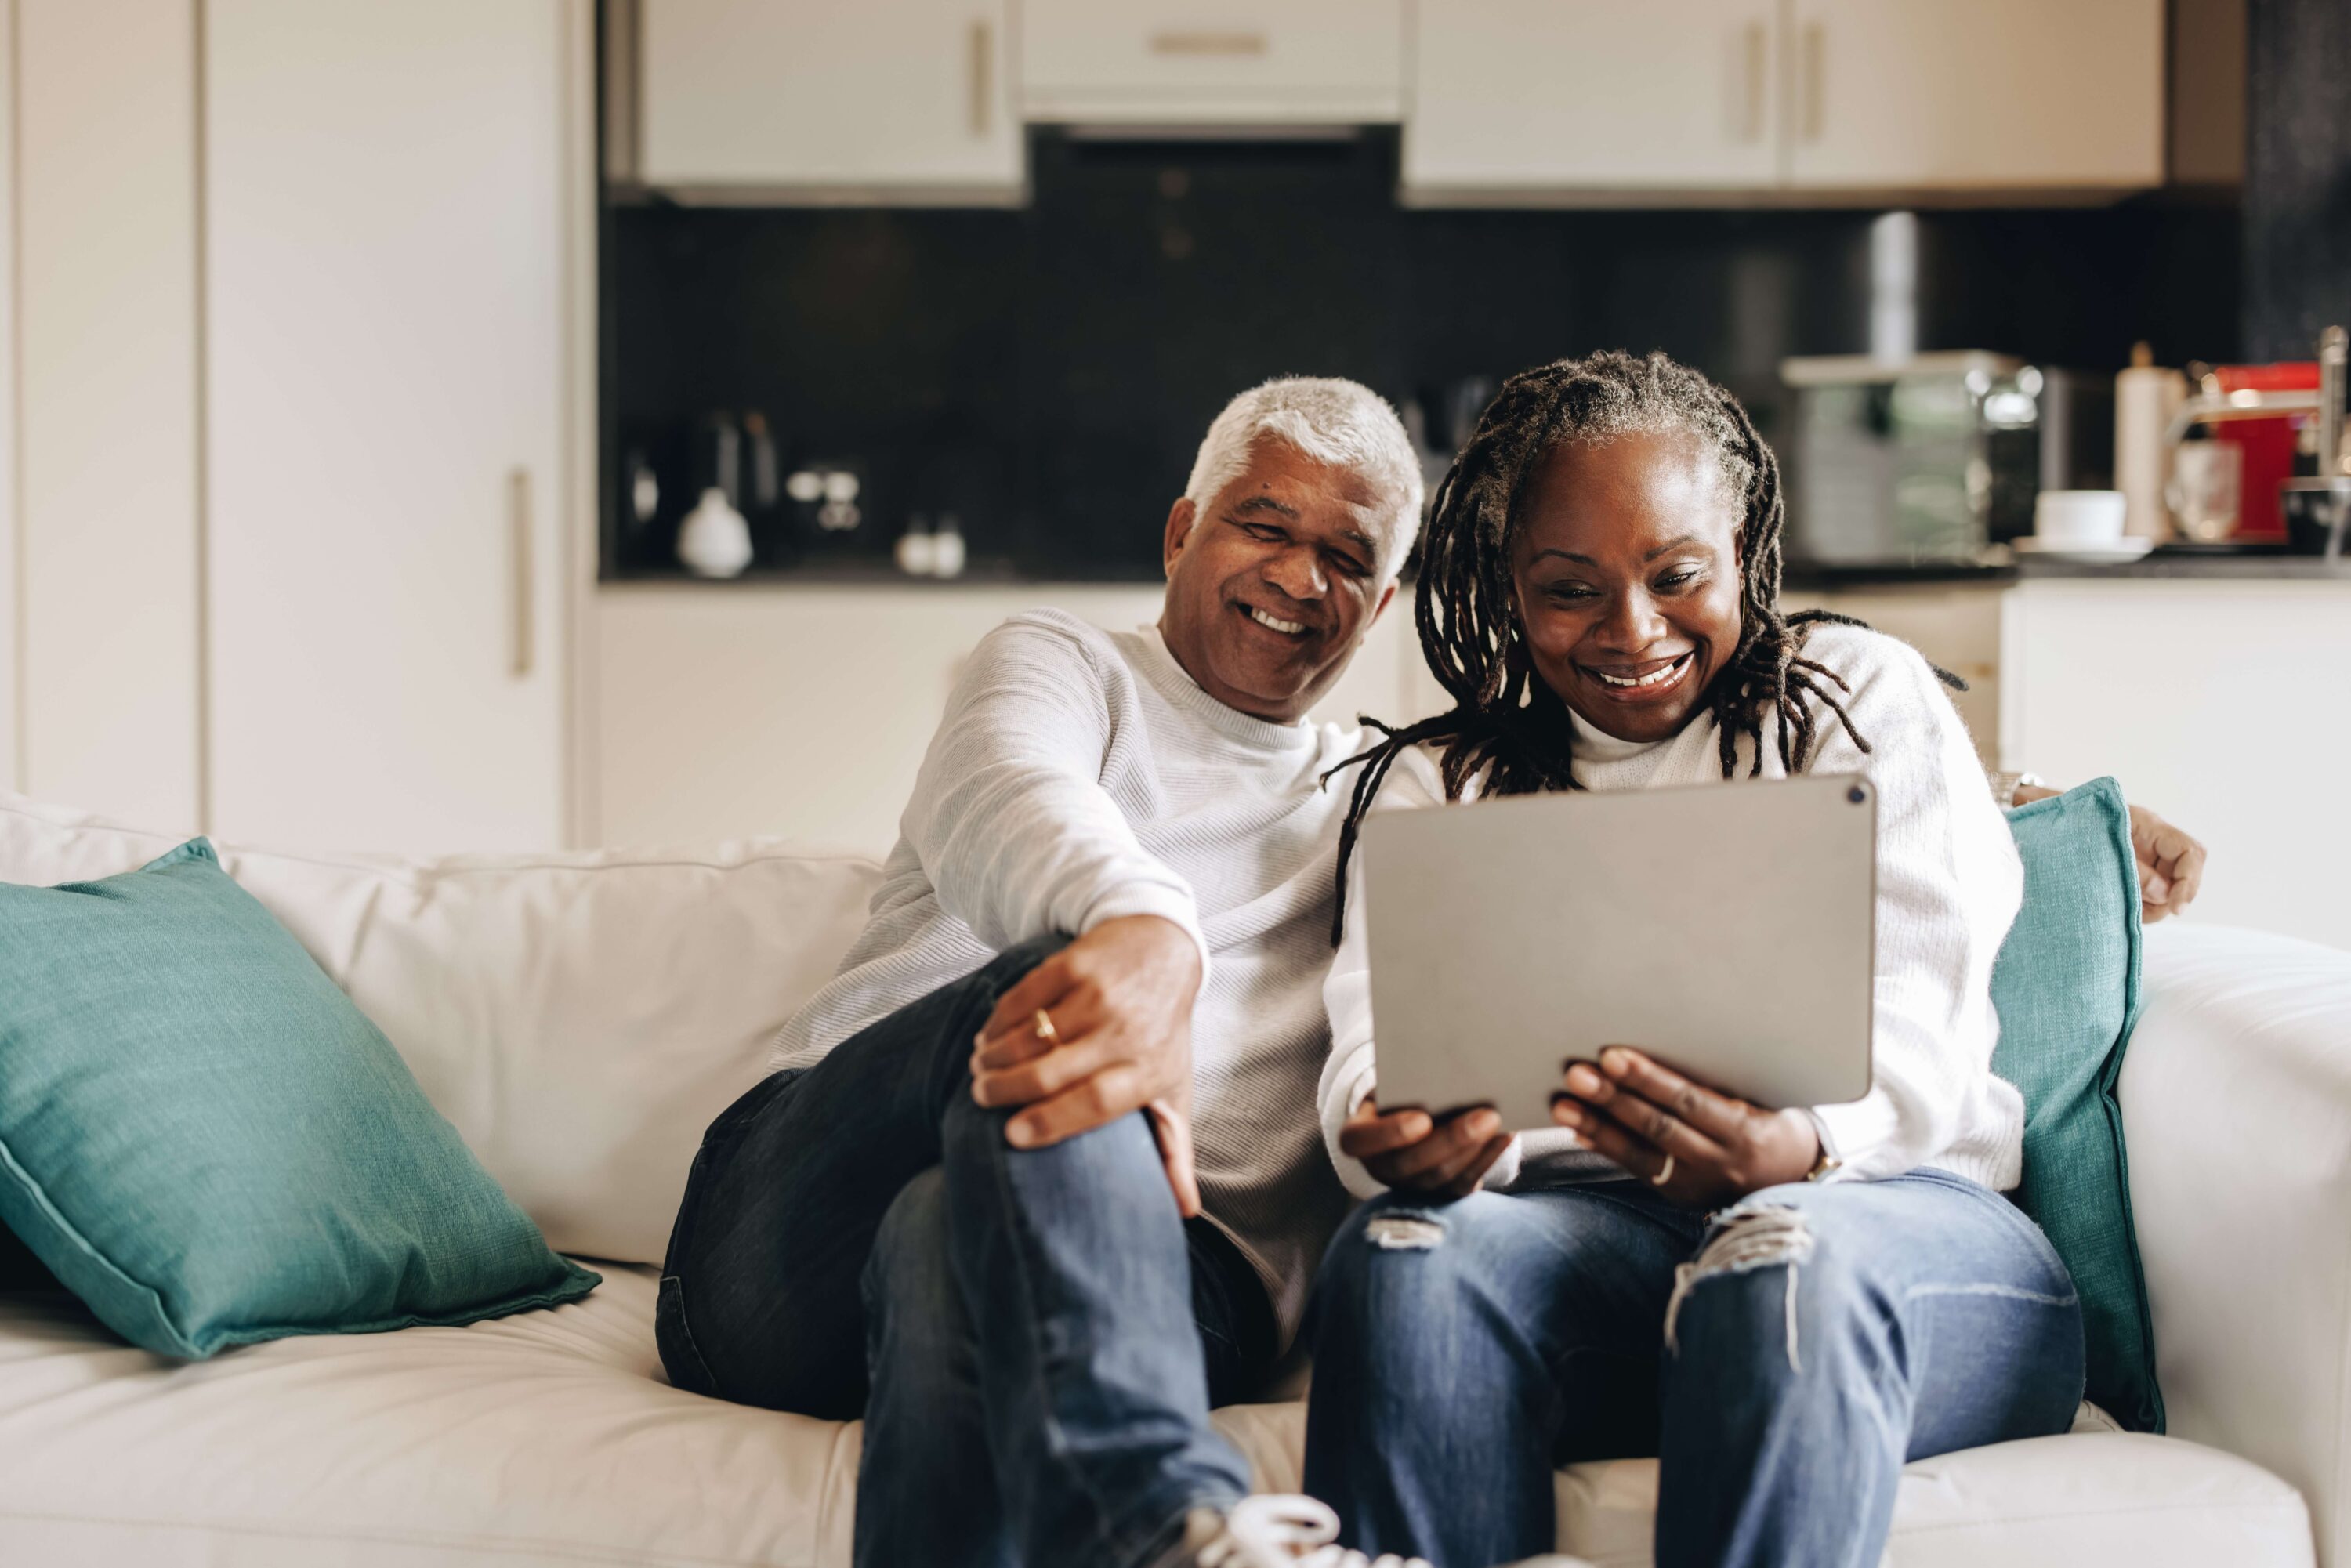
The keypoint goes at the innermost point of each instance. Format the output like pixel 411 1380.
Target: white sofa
pixel 579 1018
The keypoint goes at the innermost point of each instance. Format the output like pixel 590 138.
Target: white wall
pixel 105 360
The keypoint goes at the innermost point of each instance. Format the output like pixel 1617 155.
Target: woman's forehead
pixel 1586 496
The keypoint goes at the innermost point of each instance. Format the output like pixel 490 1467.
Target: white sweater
pixel 1949 883
pixel 1079 776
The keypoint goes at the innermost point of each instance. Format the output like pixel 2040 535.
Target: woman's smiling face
pixel 1626 562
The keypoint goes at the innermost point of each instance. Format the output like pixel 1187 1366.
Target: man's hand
pixel 2170 862
pixel 1638 1112
pixel 1120 999
pixel 1414 1152
pixel 2171 865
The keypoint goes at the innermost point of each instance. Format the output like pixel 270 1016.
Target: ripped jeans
pixel 1783 1358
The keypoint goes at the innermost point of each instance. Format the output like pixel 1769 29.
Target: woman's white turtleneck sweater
pixel 1949 883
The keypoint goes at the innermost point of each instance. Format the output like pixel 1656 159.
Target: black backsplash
pixel 1046 373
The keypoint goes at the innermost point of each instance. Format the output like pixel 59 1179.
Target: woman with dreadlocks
pixel 1783 1305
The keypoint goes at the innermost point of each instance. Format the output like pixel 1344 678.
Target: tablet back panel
pixel 1727 929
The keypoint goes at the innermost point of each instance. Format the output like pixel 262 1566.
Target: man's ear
pixel 1386 594
pixel 1180 519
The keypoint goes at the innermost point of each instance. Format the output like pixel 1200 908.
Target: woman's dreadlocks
pixel 1505 721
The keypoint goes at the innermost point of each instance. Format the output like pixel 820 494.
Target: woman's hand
pixel 1414 1152
pixel 1638 1112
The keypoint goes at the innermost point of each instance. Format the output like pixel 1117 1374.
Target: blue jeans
pixel 1822 1337
pixel 1034 1337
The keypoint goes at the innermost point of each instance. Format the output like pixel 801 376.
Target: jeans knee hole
pixel 1403 1232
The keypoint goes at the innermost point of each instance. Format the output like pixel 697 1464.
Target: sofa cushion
pixel 205 1140
pixel 578 1017
pixel 2067 986
pixel 548 1439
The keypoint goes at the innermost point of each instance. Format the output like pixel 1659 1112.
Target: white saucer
pixel 2115 552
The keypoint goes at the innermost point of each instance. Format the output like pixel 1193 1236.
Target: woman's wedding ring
pixel 1045 1029
pixel 1665 1173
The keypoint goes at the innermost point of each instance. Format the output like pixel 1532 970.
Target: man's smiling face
pixel 1272 586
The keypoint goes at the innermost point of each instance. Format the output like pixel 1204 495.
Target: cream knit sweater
pixel 1949 883
pixel 1079 776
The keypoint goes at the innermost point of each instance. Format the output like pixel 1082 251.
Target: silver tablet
pixel 1727 929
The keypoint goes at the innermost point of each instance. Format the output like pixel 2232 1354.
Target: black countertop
pixel 2238 565
pixel 1804 576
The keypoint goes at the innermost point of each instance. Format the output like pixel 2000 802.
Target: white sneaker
pixel 1280 1532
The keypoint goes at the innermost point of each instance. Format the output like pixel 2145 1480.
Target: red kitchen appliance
pixel 2264 411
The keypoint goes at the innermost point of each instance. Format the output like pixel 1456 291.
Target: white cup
pixel 2077 518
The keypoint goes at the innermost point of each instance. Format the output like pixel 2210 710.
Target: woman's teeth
pixel 1287 628
pixel 1655 677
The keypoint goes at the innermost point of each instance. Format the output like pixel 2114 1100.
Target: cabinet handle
pixel 983 76
pixel 1752 45
pixel 1196 44
pixel 1814 68
pixel 518 563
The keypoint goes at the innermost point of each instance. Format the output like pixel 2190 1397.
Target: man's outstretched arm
pixel 1020 838
pixel 2170 860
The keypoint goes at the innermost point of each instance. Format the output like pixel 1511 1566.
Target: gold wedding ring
pixel 1664 1175
pixel 1045 1029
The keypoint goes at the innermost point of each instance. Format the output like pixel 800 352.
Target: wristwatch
pixel 2005 784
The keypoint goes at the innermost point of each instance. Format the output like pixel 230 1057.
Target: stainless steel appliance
pixel 1937 457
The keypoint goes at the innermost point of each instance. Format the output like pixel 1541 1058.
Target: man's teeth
pixel 1287 628
pixel 1652 678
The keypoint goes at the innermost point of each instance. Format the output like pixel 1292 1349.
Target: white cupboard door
pixel 807 95
pixel 104 352
pixel 1992 94
pixel 1204 61
pixel 384 285
pixel 1565 96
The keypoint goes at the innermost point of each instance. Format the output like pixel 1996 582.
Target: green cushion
pixel 2067 988
pixel 210 1146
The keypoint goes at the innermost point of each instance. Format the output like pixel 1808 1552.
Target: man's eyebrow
pixel 1361 541
pixel 1264 504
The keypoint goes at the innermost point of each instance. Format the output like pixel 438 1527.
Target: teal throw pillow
pixel 206 1141
pixel 2067 989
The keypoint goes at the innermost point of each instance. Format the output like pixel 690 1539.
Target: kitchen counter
pixel 2252 565
pixel 1803 577
pixel 2240 566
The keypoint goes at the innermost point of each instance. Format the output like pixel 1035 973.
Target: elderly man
pixel 965 1204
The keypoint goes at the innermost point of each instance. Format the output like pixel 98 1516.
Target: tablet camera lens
pixel 1857 794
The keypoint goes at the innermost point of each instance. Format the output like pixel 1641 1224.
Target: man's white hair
pixel 1342 423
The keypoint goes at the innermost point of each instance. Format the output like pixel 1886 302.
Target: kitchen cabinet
pixel 390 194
pixel 1516 97
pixel 1956 628
pixel 2228 729
pixel 105 350
pixel 1954 94
pixel 804 712
pixel 1206 61
pixel 774 100
pixel 1586 99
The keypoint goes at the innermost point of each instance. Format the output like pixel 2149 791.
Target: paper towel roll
pixel 2146 397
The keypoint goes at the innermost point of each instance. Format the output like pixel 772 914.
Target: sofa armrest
pixel 2236 1097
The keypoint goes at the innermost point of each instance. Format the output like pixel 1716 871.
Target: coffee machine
pixel 1937 457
